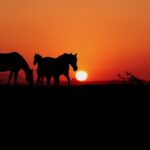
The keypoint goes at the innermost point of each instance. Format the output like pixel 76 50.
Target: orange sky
pixel 110 36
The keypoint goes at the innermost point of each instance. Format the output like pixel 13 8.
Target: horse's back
pixel 9 55
pixel 14 58
pixel 48 61
pixel 10 60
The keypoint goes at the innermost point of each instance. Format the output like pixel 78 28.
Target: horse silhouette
pixel 14 62
pixel 48 67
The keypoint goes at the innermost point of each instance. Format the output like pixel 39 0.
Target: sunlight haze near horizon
pixel 109 36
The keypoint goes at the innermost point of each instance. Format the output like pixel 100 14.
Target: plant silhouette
pixel 54 67
pixel 130 78
pixel 14 62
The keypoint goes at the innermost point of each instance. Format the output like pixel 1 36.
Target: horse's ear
pixel 70 53
pixel 75 54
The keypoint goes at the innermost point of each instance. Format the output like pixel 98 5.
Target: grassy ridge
pixel 99 91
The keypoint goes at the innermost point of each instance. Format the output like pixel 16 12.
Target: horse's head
pixel 37 58
pixel 29 76
pixel 73 61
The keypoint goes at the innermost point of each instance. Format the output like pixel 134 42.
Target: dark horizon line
pixel 3 80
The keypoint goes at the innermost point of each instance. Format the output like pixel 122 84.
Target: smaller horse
pixel 55 67
pixel 14 62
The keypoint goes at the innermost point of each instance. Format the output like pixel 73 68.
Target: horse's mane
pixel 38 55
pixel 23 60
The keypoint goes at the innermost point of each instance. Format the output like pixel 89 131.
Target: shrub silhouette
pixel 130 78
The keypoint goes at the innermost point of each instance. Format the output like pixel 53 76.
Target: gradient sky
pixel 110 36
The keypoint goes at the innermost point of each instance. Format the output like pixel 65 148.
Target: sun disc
pixel 81 75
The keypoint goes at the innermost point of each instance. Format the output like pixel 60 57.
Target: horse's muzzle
pixel 34 63
pixel 75 69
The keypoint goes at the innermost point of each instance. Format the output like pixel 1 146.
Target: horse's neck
pixel 25 66
pixel 40 62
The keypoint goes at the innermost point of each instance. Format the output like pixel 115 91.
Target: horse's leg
pixel 9 78
pixel 15 77
pixel 38 80
pixel 48 80
pixel 56 80
pixel 42 82
pixel 68 78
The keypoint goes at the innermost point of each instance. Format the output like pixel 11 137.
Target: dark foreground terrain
pixel 94 104
pixel 116 91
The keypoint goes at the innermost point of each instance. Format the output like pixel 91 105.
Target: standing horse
pixel 14 62
pixel 55 67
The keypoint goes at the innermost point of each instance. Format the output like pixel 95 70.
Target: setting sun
pixel 81 75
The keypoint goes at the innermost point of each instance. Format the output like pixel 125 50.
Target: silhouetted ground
pixel 112 91
pixel 110 106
